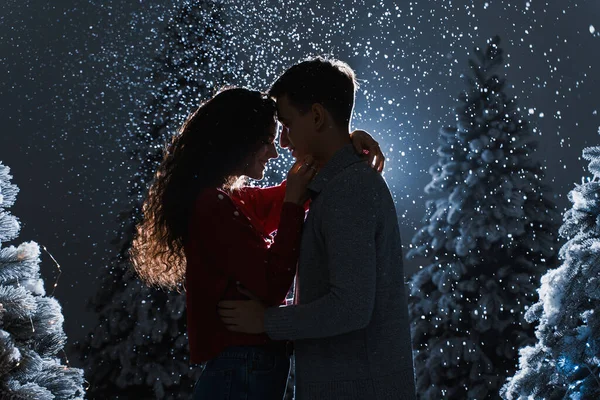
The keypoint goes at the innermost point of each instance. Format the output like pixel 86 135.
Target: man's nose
pixel 284 141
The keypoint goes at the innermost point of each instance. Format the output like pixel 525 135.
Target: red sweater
pixel 229 241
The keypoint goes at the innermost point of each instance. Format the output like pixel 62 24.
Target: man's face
pixel 298 130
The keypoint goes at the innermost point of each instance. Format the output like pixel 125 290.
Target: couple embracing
pixel 331 224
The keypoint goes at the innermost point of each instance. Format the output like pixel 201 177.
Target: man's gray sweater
pixel 350 321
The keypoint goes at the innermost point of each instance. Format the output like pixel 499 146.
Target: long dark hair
pixel 209 151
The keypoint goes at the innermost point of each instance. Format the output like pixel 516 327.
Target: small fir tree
pixel 31 324
pixel 564 363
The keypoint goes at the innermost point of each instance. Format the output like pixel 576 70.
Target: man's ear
pixel 319 115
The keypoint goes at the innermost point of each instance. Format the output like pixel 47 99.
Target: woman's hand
pixel 368 148
pixel 298 178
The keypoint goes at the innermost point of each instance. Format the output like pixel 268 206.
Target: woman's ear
pixel 319 115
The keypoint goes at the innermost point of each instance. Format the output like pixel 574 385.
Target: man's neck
pixel 332 143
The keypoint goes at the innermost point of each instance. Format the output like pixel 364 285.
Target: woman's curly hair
pixel 210 150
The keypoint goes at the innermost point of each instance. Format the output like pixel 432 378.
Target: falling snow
pixel 77 77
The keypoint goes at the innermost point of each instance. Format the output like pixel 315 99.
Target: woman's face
pixel 257 162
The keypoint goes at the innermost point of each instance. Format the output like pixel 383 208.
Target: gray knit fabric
pixel 350 319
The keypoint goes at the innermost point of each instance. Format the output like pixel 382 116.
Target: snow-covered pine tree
pixel 489 235
pixel 139 348
pixel 565 361
pixel 31 324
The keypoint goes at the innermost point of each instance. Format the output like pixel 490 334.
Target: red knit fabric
pixel 229 241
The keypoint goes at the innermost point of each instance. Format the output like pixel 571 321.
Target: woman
pixel 202 229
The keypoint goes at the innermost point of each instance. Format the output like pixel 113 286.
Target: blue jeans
pixel 244 373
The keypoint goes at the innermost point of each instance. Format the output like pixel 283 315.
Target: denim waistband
pixel 244 352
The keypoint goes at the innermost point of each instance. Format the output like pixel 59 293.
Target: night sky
pixel 73 77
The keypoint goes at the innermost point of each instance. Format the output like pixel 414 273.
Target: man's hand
pixel 368 147
pixel 247 316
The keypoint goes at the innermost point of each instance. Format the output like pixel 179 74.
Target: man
pixel 349 321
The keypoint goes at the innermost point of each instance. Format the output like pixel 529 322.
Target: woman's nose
pixel 284 141
pixel 273 151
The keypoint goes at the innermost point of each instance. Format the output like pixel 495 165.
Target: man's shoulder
pixel 357 184
pixel 358 177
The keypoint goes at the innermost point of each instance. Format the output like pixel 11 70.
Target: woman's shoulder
pixel 210 199
pixel 211 193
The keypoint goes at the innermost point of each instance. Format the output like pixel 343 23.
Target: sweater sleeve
pixel 349 228
pixel 266 203
pixel 239 252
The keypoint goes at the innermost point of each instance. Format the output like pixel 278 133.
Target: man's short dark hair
pixel 330 82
